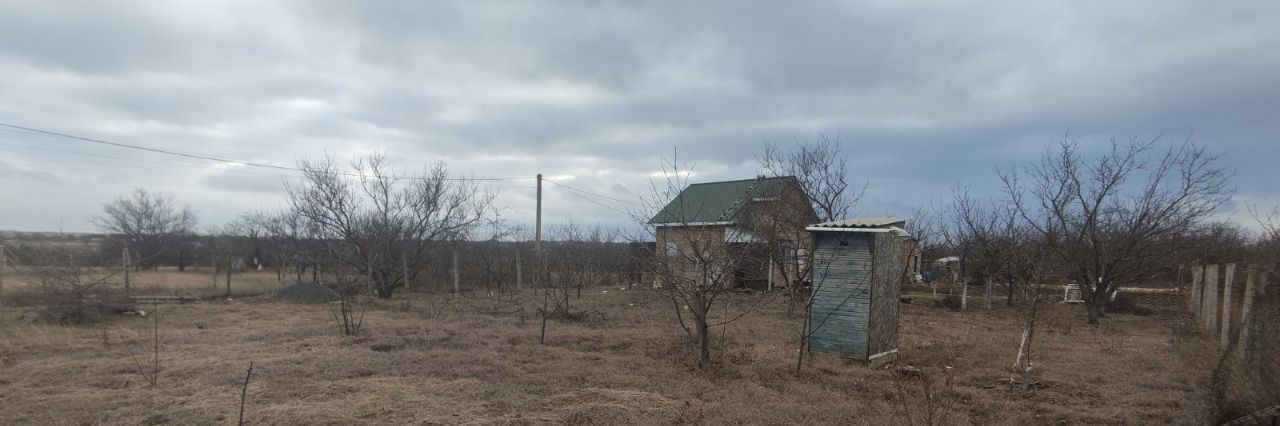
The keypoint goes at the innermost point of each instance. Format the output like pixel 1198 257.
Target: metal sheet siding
pixel 842 294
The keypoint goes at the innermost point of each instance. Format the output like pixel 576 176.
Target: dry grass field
pixel 427 360
pixel 21 285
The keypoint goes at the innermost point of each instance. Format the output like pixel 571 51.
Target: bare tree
pixel 495 258
pixel 148 223
pixel 293 243
pixel 986 238
pixel 383 219
pixel 576 258
pixel 772 223
pixel 694 265
pixel 821 169
pixel 1105 219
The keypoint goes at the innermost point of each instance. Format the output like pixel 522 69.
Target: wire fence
pixel 1238 305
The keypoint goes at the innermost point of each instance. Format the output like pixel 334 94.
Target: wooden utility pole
pixel 519 272
pixel 213 266
pixel 537 233
pixel 124 261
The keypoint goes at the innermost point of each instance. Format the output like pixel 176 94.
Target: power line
pixel 597 203
pixel 591 193
pixel 215 158
pixel 137 160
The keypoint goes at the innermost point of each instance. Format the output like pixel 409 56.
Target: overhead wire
pixel 222 159
pixel 598 203
pixel 575 191
pixel 591 193
pixel 136 160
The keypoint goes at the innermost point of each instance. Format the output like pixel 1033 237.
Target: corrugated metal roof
pixel 863 222
pixel 717 201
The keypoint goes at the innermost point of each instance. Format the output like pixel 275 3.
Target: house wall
pixel 782 219
pixel 685 240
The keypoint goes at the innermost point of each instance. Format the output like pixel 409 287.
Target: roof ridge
pixel 757 178
pixel 745 195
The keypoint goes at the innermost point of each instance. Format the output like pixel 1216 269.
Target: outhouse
pixel 857 276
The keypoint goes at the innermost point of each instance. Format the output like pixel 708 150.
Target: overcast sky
pixel 594 94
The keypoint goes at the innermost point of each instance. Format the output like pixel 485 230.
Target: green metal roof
pixel 717 201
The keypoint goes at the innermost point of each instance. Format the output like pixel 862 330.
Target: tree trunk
pixel 986 295
pixel 704 334
pixel 1095 310
pixel 1009 296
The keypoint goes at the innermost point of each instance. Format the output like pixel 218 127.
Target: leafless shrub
pixel 924 398
pixel 71 291
pixel 348 311
pixel 150 373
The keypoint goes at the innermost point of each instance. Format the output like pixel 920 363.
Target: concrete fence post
pixel 1228 279
pixel 1247 323
pixel 1197 285
pixel 1209 307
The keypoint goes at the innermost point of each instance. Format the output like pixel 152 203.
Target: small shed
pixel 1071 294
pixel 857 276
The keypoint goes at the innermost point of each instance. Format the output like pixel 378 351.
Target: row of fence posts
pixel 1212 300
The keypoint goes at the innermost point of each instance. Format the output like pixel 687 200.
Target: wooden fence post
pixel 1227 287
pixel 213 265
pixel 1209 308
pixel 519 272
pixel 124 262
pixel 229 269
pixel 455 271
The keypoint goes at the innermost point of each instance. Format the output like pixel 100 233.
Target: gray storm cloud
pixel 925 95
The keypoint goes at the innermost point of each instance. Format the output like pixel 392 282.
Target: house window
pixel 672 250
